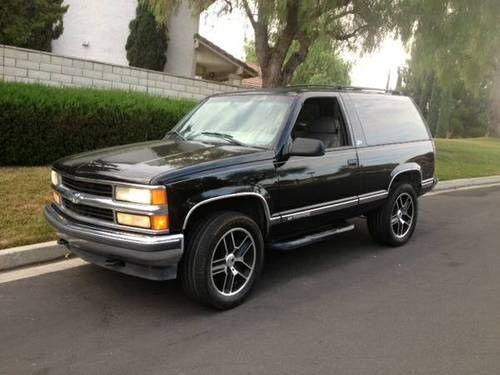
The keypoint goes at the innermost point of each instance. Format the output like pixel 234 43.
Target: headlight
pixel 55 178
pixel 141 195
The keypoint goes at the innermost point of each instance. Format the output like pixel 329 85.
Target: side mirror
pixel 306 147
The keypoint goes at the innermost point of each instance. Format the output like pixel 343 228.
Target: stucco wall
pixel 29 66
pixel 103 23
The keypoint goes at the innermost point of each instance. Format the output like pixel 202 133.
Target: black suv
pixel 243 172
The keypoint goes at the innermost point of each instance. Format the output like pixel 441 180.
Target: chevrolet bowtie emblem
pixel 75 197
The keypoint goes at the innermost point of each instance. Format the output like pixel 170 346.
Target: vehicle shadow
pixel 280 268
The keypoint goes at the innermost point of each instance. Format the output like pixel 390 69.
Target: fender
pixel 228 193
pixel 402 168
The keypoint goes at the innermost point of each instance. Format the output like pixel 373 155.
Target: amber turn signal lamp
pixel 56 197
pixel 159 197
pixel 159 222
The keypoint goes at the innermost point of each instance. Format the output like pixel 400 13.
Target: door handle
pixel 352 162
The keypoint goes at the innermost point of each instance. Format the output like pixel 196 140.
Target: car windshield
pixel 247 120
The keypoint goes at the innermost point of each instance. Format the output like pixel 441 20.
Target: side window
pixel 322 119
pixel 389 119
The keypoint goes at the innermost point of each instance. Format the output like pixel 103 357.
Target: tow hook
pixel 114 263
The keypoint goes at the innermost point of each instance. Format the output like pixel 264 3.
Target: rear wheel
pixel 394 223
pixel 223 259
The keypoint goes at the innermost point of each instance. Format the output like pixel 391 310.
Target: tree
pixel 322 66
pixel 147 43
pixel 31 23
pixel 285 30
pixel 250 55
pixel 454 62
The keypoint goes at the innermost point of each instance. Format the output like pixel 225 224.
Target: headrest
pixel 325 125
pixel 310 112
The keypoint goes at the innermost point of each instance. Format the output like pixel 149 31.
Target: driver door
pixel 310 186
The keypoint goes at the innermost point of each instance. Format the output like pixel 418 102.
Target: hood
pixel 142 162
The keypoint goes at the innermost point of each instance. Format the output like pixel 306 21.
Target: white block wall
pixel 29 66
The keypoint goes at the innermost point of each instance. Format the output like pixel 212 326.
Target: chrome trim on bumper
pixel 151 250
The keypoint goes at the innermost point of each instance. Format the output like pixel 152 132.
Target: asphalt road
pixel 347 306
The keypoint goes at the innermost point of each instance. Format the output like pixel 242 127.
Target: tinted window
pixel 321 119
pixel 389 119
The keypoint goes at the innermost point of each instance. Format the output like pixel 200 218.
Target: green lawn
pixel 25 191
pixel 23 194
pixel 471 157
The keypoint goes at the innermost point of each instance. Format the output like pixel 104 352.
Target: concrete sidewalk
pixel 47 251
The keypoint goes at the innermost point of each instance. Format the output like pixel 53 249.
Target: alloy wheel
pixel 403 212
pixel 233 261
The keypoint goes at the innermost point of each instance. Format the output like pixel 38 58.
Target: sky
pixel 231 31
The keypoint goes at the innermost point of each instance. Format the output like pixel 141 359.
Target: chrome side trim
pixel 315 206
pixel 326 207
pixel 371 197
pixel 317 209
pixel 428 182
pixel 228 196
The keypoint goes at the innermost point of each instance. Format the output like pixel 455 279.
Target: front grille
pixel 89 211
pixel 88 187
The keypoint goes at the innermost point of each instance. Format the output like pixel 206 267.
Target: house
pixel 98 30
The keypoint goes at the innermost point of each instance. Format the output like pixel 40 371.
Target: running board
pixel 310 238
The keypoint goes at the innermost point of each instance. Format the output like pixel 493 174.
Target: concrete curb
pixel 467 182
pixel 31 254
pixel 47 251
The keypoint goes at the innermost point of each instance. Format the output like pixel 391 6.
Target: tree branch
pixel 297 57
pixel 347 36
pixel 249 13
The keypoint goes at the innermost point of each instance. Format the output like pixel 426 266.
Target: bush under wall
pixel 39 124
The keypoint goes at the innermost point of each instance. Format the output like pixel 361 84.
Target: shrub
pixel 147 43
pixel 31 23
pixel 39 124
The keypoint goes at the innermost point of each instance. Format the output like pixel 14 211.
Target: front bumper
pixel 148 256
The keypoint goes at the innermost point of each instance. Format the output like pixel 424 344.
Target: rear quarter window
pixel 389 119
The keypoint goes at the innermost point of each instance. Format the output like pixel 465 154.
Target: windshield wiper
pixel 227 137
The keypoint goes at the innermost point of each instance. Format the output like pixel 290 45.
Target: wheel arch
pixel 411 171
pixel 260 211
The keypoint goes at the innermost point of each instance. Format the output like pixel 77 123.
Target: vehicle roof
pixel 306 89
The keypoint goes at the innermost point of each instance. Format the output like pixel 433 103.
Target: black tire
pixel 381 224
pixel 205 244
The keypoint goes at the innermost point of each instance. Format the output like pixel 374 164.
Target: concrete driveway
pixel 346 306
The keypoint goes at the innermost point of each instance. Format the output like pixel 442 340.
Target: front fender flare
pixel 216 195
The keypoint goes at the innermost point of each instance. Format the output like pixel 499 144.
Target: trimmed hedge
pixel 39 124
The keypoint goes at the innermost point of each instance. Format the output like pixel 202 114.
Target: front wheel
pixel 223 259
pixel 394 223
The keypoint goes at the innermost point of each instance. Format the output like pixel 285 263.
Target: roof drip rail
pixel 346 88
